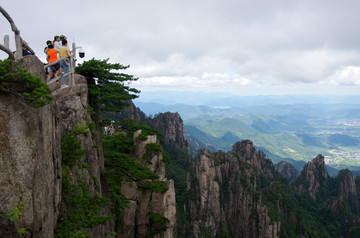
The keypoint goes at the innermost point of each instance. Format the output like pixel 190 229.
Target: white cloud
pixel 349 75
pixel 237 46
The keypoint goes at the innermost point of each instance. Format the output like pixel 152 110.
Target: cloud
pixel 207 45
pixel 349 75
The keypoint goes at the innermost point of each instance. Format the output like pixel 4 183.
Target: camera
pixel 81 53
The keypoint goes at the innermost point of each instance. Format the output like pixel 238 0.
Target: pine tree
pixel 107 87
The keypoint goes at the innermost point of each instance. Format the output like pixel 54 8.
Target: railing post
pixel 6 41
pixel 18 43
pixel 18 40
pixel 71 61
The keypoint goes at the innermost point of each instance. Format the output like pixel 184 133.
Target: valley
pixel 291 132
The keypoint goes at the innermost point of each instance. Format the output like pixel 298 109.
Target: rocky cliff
pixel 34 175
pixel 239 194
pixel 233 194
pixel 315 181
pixel 315 173
pixel 336 198
pixel 135 221
pixel 227 202
pixel 287 170
pixel 30 159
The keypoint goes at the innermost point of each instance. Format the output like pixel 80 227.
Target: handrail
pixel 19 42
pixel 70 73
pixel 55 62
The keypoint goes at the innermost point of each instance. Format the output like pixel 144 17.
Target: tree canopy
pixel 107 85
pixel 20 82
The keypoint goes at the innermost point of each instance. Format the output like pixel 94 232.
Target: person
pixel 25 51
pixel 57 46
pixel 52 58
pixel 46 49
pixel 64 51
pixel 57 43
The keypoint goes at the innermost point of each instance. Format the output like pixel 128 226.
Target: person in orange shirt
pixel 52 53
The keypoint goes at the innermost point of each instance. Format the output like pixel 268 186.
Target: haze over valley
pixel 284 127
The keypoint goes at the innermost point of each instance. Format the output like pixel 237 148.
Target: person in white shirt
pixel 57 43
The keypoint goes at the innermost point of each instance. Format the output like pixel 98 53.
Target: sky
pixel 237 47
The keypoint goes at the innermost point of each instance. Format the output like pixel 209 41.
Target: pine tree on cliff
pixel 107 88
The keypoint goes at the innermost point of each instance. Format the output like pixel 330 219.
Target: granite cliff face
pixel 315 173
pixel 135 220
pixel 226 199
pixel 315 181
pixel 73 106
pixel 287 170
pixel 223 200
pixel 31 164
pixel 30 159
pixel 337 196
pixel 346 186
pixel 241 194
pixel 171 126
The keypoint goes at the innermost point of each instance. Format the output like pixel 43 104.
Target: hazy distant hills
pixel 349 108
pixel 228 100
pixel 294 127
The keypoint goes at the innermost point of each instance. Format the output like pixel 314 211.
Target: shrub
pixel 71 150
pixel 155 186
pixel 21 82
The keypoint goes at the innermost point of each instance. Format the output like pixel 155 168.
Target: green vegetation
pixel 343 140
pixel 152 149
pixel 109 93
pixel 297 136
pixel 131 126
pixel 15 213
pixel 106 85
pixel 81 129
pixel 177 169
pixel 20 82
pixel 80 208
pixel 120 167
pixel 155 186
pixel 71 150
pixel 157 224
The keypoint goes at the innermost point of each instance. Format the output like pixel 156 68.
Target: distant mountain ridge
pixel 241 194
pixel 214 99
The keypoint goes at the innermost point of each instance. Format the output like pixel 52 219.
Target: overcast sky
pixel 244 47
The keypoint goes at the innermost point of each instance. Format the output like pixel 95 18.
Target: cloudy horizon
pixel 238 47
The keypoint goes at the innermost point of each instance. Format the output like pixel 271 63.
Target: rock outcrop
pixel 31 163
pixel 316 177
pixel 73 105
pixel 30 159
pixel 226 200
pixel 171 127
pixel 346 186
pixel 31 167
pixel 287 170
pixel 135 221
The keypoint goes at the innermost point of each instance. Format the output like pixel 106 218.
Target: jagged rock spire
pixel 313 178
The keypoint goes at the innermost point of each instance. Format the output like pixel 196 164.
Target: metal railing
pixel 72 64
pixel 69 74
